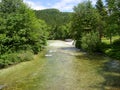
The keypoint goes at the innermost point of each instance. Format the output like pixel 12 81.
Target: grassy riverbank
pixel 20 73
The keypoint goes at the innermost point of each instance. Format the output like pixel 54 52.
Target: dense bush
pixel 90 42
pixel 53 16
pixel 78 44
pixel 116 44
pixel 14 58
pixel 114 53
pixel 103 47
pixel 20 30
pixel 114 50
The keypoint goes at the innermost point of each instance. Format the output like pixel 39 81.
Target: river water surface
pixel 63 67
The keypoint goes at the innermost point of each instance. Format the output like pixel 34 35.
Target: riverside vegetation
pixel 63 67
pixel 24 32
pixel 21 33
pixel 92 27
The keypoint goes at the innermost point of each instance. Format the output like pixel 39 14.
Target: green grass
pixel 106 40
pixel 111 50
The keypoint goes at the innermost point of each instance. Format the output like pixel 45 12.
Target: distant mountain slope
pixel 53 16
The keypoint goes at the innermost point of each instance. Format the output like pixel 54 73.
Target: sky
pixel 62 5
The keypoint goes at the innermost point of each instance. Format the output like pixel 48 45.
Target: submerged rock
pixel 2 86
pixel 113 66
pixel 48 55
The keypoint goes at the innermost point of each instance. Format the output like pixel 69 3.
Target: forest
pixel 24 32
pixel 58 22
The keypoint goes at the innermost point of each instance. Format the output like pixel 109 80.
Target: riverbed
pixel 61 66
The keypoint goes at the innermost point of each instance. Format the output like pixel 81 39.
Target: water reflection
pixel 112 75
pixel 107 68
pixel 112 66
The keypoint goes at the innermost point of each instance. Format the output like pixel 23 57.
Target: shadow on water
pixel 109 69
pixel 112 74
pixel 112 66
pixel 92 57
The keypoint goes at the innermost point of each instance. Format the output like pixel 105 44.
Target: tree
pixel 53 16
pixel 103 14
pixel 90 42
pixel 19 27
pixel 10 6
pixel 101 8
pixel 112 28
pixel 85 19
pixel 21 33
pixel 57 22
pixel 118 16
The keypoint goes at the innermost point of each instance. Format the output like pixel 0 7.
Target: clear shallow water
pixel 63 67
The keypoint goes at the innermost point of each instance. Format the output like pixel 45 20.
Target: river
pixel 63 67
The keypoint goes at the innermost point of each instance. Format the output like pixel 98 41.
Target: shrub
pixel 13 58
pixel 78 44
pixel 103 47
pixel 114 51
pixel 1 63
pixel 90 42
pixel 116 44
pixel 8 59
pixel 25 56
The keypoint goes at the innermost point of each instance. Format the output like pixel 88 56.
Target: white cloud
pixel 93 1
pixel 62 5
pixel 66 5
pixel 33 5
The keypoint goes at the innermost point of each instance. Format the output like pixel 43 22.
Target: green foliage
pixel 60 32
pixel 53 16
pixel 90 24
pixel 19 30
pixel 22 30
pixel 101 8
pixel 114 53
pixel 14 58
pixel 25 55
pixel 111 30
pixel 113 23
pixel 116 44
pixel 85 19
pixel 114 50
pixel 90 42
pixel 58 22
pixel 84 27
pixel 102 16
pixel 103 47
pixel 78 44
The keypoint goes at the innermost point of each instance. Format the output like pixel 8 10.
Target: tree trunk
pixel 110 38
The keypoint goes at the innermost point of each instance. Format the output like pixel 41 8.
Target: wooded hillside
pixel 59 22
